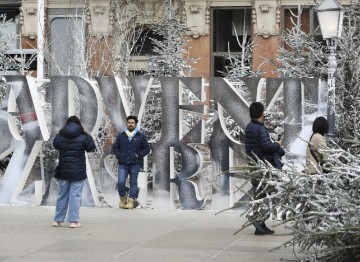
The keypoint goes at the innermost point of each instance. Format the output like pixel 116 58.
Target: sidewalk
pixel 137 235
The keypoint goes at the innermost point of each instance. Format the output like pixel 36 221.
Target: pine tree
pixel 323 209
pixel 240 64
pixel 302 54
pixel 348 81
pixel 291 62
pixel 170 53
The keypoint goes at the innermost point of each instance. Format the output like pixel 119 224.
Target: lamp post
pixel 330 15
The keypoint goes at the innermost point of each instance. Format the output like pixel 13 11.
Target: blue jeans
pixel 123 172
pixel 69 197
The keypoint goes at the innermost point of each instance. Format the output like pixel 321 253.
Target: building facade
pixel 95 35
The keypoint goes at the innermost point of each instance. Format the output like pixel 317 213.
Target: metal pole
pixel 40 39
pixel 331 43
pixel 40 69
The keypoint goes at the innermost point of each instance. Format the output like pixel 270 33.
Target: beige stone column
pixel 266 28
pixel 198 20
pixel 99 43
pixel 28 23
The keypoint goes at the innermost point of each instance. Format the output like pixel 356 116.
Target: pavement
pixel 111 234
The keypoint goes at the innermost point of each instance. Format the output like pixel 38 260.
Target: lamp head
pixel 330 15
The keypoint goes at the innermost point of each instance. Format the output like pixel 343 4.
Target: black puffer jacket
pixel 257 141
pixel 72 143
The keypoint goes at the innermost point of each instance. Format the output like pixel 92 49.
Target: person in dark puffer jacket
pixel 130 147
pixel 257 138
pixel 258 142
pixel 72 142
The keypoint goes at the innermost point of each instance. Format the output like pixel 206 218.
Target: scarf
pixel 129 134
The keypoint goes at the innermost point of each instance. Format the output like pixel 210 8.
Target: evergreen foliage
pixel 6 62
pixel 240 64
pixel 274 119
pixel 302 54
pixel 324 209
pixel 170 58
pixel 170 53
pixel 129 34
pixel 348 81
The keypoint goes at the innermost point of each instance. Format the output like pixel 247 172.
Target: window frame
pixel 312 17
pixel 69 13
pixel 15 18
pixel 214 54
pixel 13 8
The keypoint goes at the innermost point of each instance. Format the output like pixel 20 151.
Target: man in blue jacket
pixel 130 147
pixel 258 142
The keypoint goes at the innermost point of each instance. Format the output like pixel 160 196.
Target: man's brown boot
pixel 129 204
pixel 123 201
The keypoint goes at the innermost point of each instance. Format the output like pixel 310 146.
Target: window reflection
pixel 227 24
pixel 67 46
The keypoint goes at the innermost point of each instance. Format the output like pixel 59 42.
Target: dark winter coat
pixel 257 141
pixel 72 143
pixel 130 152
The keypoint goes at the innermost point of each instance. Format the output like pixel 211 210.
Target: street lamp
pixel 330 15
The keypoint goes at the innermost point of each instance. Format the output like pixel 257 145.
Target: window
pixel 141 52
pixel 14 58
pixel 9 13
pixel 67 46
pixel 9 38
pixel 9 28
pixel 227 23
pixel 308 20
pixel 144 44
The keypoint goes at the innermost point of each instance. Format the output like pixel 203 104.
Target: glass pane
pixel 67 46
pixel 331 4
pixel 144 45
pixel 9 28
pixel 241 23
pixel 291 16
pixel 229 23
pixel 329 22
pixel 219 66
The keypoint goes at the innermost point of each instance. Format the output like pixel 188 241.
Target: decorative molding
pixel 99 17
pixel 99 10
pixel 28 18
pixel 253 13
pixel 197 17
pixel 266 17
pixel 207 15
pixel 265 8
pixel 152 11
pixel 31 11
pixel 194 9
pixel 278 12
pixel 60 4
pixel 184 13
pixel 195 34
